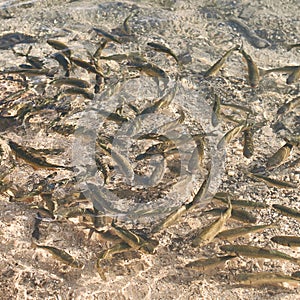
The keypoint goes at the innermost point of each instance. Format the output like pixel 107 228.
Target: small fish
pixel 284 70
pixel 63 61
pixel 214 69
pixel 79 91
pixel 107 35
pixel 86 65
pixel 29 72
pixel 162 48
pixel 172 124
pixel 126 28
pixel 288 106
pixel 157 174
pixel 292 46
pixel 296 274
pixel 287 211
pixel 253 73
pixel 171 218
pixel 60 46
pixel 242 231
pixel 71 81
pixel 123 164
pixel 149 69
pixel 265 278
pixel 62 256
pixel 115 57
pixel 257 252
pixel 294 76
pixel 105 254
pixel 36 231
pixel 216 111
pixel 102 45
pixel 273 182
pixel 103 168
pixel 280 156
pixel 208 263
pixel 236 214
pixel 161 103
pixel 208 233
pixel 113 116
pixel 248 148
pixel 201 195
pixel 231 134
pixel 196 157
pixel 133 240
pixel 237 107
pixel 285 240
pixel 251 36
pixel 34 161
pixel 223 197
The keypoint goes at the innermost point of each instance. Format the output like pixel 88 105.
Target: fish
pixel 208 263
pixel 273 182
pixel 253 73
pixel 294 76
pixel 36 231
pixel 170 125
pixel 231 134
pixel 105 254
pixel 103 168
pixel 201 195
pixel 161 103
pixel 164 49
pixel 251 36
pixel 280 156
pixel 61 255
pixel 134 240
pixel 86 65
pixel 236 214
pixel 123 164
pixel 107 35
pixel 158 173
pixel 216 111
pixel 149 69
pixel 115 57
pixel 292 46
pixel 284 70
pixel 79 91
pixel 223 197
pixel 214 69
pixel 60 46
pixel 171 218
pixel 63 61
pixel 287 211
pixel 178 212
pixel 237 107
pixel 248 148
pixel 265 278
pixel 288 106
pixel 285 240
pixel 242 231
pixel 71 81
pixel 257 252
pixel 196 157
pixel 29 72
pixel 111 116
pixel 208 233
pixel 34 161
pixel 97 55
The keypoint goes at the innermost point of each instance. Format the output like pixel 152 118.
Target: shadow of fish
pixel 9 40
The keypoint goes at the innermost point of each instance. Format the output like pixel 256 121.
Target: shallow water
pixel 199 33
